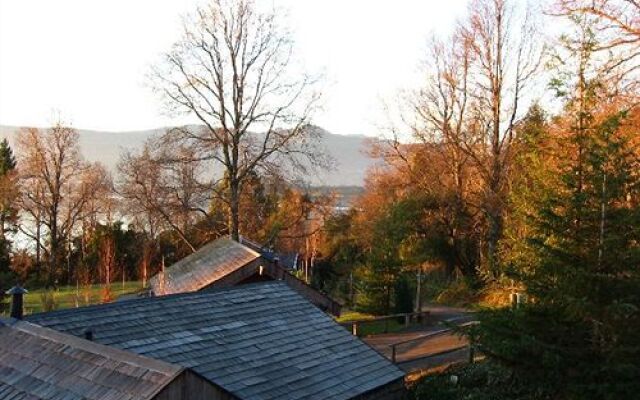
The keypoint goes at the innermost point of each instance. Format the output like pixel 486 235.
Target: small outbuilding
pixel 225 262
pixel 260 341
pixel 40 363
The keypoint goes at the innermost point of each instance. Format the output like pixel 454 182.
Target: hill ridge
pixel 349 151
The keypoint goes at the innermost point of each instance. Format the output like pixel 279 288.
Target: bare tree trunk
pixel 38 249
pixel 419 289
pixel 234 210
pixel 602 217
pixel 53 248
pixel 146 255
pixel 231 72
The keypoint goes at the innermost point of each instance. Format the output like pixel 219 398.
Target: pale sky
pixel 87 59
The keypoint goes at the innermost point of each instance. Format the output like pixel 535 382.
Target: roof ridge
pixel 232 334
pixel 141 300
pixel 160 366
pixel 223 250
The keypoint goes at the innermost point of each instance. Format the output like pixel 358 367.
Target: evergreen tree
pixel 403 296
pixel 532 181
pixel 8 211
pixel 578 337
pixel 391 254
pixel 7 159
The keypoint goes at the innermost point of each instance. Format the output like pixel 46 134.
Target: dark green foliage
pixel 533 183
pixel 580 335
pixel 7 276
pixel 7 159
pixel 482 381
pixel 8 212
pixel 128 248
pixel 396 244
pixel 403 296
pixel 339 254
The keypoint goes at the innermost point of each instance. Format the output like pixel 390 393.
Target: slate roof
pixel 257 341
pixel 288 261
pixel 210 263
pixel 40 363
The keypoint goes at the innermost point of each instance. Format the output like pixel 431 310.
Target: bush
pixel 459 293
pixel 481 381
pixel 495 296
pixel 4 304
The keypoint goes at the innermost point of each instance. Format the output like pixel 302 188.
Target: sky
pixel 86 60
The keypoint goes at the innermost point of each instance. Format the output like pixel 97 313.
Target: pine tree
pixel 532 181
pixel 8 212
pixel 7 159
pixel 578 337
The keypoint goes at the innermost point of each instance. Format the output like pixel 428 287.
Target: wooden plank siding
pixel 191 386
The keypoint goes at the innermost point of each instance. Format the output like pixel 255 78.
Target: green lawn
pixel 375 328
pixel 70 296
pixel 348 315
pixel 370 328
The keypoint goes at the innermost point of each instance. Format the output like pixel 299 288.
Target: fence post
pixel 407 319
pixel 471 352
pixel 393 353
pixel 386 325
pixel 354 328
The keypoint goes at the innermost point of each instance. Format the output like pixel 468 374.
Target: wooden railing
pixel 321 300
pixel 431 335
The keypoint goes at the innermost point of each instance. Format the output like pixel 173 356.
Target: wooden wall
pixel 395 390
pixel 191 386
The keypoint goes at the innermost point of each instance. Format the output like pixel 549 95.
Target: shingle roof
pixel 258 341
pixel 210 263
pixel 287 261
pixel 39 363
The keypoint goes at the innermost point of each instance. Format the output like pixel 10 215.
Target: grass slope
pixel 72 296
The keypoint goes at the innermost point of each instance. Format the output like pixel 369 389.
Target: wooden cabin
pixel 225 262
pixel 260 341
pixel 41 363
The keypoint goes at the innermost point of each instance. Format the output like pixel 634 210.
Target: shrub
pixel 481 381
pixel 460 293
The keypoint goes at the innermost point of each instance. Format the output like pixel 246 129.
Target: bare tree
pixel 58 185
pixel 443 117
pixel 465 117
pixel 616 25
pixel 504 57
pixel 107 261
pixel 232 71
pixel 161 194
pixel 620 17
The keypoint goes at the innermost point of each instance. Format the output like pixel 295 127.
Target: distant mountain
pixel 348 152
